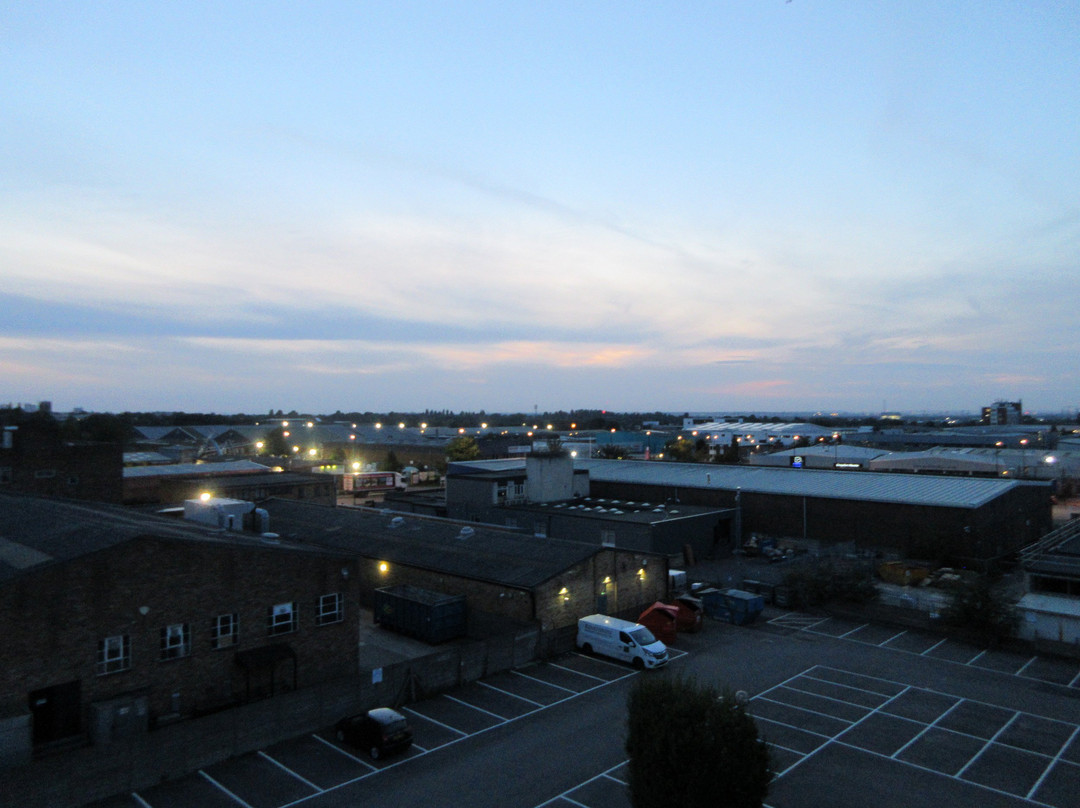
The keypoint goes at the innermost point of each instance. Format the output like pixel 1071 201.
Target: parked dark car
pixel 381 731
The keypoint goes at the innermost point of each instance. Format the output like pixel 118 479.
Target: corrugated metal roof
pixel 197 469
pixel 35 531
pixel 910 489
pixel 480 553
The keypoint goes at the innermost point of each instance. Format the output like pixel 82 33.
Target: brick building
pixel 35 459
pixel 237 479
pixel 114 621
pixel 502 573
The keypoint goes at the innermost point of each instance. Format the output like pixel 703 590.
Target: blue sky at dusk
pixel 748 206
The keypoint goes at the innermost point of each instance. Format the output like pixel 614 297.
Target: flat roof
pixel 907 489
pixel 621 510
pixel 910 489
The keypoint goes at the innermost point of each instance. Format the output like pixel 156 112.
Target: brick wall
pixel 52 621
pixel 97 772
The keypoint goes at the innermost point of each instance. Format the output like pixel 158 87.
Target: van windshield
pixel 642 636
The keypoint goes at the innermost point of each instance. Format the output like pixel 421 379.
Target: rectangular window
pixel 175 641
pixel 540 529
pixel 330 610
pixel 283 618
pixel 607 538
pixel 226 630
pixel 44 474
pixel 114 654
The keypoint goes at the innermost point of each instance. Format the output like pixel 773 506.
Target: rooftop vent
pixel 466 532
pixel 397 521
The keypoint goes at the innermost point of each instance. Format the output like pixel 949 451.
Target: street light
pixel 1023 456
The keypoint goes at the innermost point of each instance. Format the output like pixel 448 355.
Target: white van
pixel 620 639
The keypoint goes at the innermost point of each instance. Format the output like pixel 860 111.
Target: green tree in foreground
pixel 693 746
pixel 462 448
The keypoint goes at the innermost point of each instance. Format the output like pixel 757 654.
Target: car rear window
pixel 395 726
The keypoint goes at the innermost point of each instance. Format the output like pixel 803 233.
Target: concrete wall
pixel 550 477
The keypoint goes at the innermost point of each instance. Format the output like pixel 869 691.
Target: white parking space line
pixel 614 779
pixel 935 645
pixel 579 673
pixel 815 712
pixel 844 684
pixel 926 729
pixel 563 796
pixel 986 745
pixel 225 790
pixel 1024 667
pixel 927 769
pixel 975 658
pixel 894 637
pixel 1075 680
pixel 474 707
pixel 337 748
pixel 759 719
pixel 829 698
pixel 609 663
pixel 433 721
pixel 549 684
pixel 860 628
pixel 140 800
pixel 287 770
pixel 1053 763
pixel 508 693
pixel 834 738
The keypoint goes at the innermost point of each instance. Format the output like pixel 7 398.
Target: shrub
pixel 818 583
pixel 981 609
pixel 693 746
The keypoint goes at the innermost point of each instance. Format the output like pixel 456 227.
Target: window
pixel 175 641
pixel 114 654
pixel 540 529
pixel 282 618
pixel 607 538
pixel 44 474
pixel 226 630
pixel 330 609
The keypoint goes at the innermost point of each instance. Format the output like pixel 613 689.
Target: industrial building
pixel 115 622
pixel 962 520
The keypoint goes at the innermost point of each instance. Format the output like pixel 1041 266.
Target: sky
pixel 753 205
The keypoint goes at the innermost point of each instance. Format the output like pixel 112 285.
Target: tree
pixel 391 463
pixel 978 607
pixel 275 442
pixel 693 746
pixel 462 448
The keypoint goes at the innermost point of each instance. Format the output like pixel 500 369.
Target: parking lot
pixel 855 714
pixel 843 738
pixel 296 770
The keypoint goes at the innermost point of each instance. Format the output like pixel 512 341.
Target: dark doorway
pixel 57 712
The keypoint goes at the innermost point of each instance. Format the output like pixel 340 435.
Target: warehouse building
pixel 503 573
pixel 960 520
